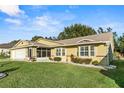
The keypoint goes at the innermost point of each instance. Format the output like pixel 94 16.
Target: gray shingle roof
pixel 33 43
pixel 6 45
pixel 91 38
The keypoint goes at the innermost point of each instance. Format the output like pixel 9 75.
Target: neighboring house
pixel 5 48
pixel 98 47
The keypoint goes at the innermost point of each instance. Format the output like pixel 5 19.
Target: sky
pixel 24 21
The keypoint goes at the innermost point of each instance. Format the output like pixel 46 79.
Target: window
pixel 60 52
pixel 84 51
pixel 87 51
pixel 63 52
pixel 92 50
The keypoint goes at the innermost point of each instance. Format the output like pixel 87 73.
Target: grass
pixel 35 75
pixel 116 74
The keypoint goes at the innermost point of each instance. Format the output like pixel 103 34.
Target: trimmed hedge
pixel 95 62
pixel 57 59
pixel 50 58
pixel 81 60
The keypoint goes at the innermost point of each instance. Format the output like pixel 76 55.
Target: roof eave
pixel 80 44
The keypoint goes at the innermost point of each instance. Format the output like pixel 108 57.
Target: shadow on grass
pixel 5 63
pixel 7 71
pixel 10 70
pixel 116 74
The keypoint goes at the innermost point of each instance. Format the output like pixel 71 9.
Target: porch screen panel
pixel 38 52
pixel 48 53
pixel 44 54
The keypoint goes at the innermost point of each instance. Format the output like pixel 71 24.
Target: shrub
pixel 95 62
pixel 75 60
pixel 82 60
pixel 50 58
pixel 3 55
pixel 57 58
pixel 72 57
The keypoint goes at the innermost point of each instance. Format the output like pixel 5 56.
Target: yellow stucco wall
pixel 68 52
pixel 100 53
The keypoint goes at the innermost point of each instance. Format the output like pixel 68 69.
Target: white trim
pixel 84 40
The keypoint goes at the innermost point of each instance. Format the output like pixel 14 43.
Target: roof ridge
pixel 85 36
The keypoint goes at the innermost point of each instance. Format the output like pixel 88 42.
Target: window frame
pixel 92 50
pixel 60 52
pixel 84 51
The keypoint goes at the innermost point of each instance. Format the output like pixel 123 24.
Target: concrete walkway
pixel 88 65
pixel 83 65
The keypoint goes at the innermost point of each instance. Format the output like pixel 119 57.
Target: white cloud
pixel 13 21
pixel 61 16
pixel 48 25
pixel 11 10
pixel 45 21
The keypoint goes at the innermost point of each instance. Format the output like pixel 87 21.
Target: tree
pixel 54 38
pixel 116 40
pixel 101 30
pixel 36 37
pixel 14 42
pixel 121 44
pixel 76 30
pixel 50 38
pixel 109 29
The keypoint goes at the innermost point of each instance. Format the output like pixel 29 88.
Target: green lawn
pixel 24 74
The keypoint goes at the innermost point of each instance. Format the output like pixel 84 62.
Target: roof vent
pixel 85 40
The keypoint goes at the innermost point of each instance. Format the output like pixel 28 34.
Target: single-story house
pixel 5 48
pixel 97 47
